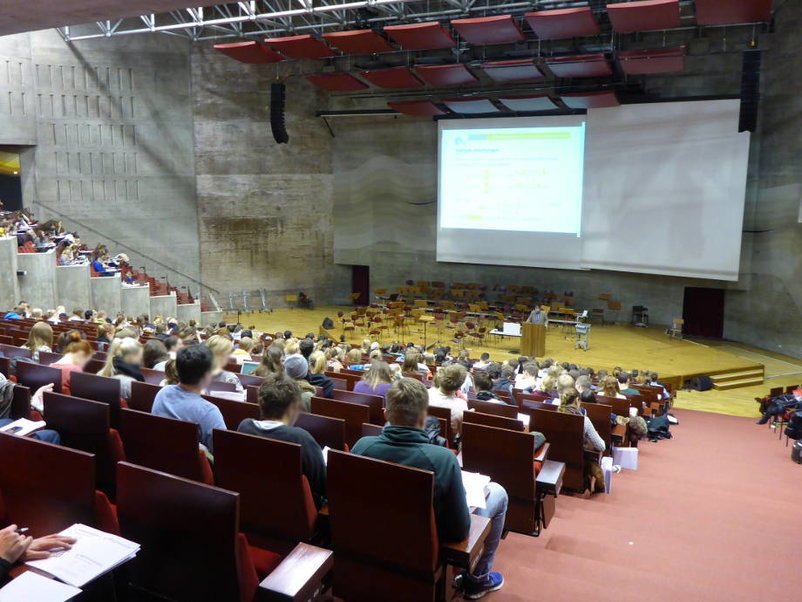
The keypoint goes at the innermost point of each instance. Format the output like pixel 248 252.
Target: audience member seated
pixel 405 442
pixel 483 363
pixel 154 354
pixel 377 379
pixel 623 384
pixel 594 477
pixel 243 351
pixel 782 404
pixel 484 388
pixel 15 546
pixel 334 359
pixel 272 362
pixel 40 338
pixel 526 380
pixel 317 379
pixel 443 394
pixel 7 396
pixel 280 403
pixel 221 348
pixel 183 401
pixel 506 382
pixel 609 388
pixel 412 364
pixel 105 332
pixel 297 368
pixel 124 363
pixel 76 354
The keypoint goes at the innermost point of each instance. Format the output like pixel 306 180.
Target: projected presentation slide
pixel 525 179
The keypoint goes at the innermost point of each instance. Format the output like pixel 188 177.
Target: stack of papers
pixel 23 427
pixel 30 587
pixel 93 554
pixel 475 489
pixel 525 419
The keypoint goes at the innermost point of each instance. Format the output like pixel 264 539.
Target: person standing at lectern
pixel 538 316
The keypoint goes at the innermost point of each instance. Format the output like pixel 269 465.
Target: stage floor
pixel 610 346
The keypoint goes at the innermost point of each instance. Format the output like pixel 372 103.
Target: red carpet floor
pixel 712 514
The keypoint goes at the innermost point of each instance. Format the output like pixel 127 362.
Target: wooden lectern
pixel 533 339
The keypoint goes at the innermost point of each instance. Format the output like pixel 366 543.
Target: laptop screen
pixel 249 367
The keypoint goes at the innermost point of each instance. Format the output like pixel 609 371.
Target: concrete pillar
pixel 38 285
pixel 135 300
pixel 106 294
pixel 211 317
pixel 163 305
pixel 188 311
pixel 9 287
pixel 72 286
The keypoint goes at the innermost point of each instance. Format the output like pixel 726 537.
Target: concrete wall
pixel 106 294
pixel 9 288
pixel 72 286
pixel 211 318
pixel 38 286
pixel 188 311
pixel 109 124
pixel 265 210
pixel 135 300
pixel 163 305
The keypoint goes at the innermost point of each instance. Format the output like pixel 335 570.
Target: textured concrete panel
pixel 9 288
pixel 211 317
pixel 72 286
pixel 135 300
pixel 106 294
pixel 38 285
pixel 163 305
pixel 188 311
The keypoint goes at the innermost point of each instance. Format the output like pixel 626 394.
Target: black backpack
pixel 794 428
pixel 658 428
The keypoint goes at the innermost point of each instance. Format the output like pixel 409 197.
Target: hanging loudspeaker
pixel 750 90
pixel 277 101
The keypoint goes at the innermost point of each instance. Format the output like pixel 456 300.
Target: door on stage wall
pixel 703 312
pixel 360 283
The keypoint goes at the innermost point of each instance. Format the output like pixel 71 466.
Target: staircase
pixel 738 378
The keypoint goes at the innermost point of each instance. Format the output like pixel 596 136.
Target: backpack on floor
pixel 796 452
pixel 658 428
pixel 794 428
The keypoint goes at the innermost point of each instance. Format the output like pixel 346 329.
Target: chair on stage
pixel 192 548
pixel 406 561
pixel 277 509
pixel 164 444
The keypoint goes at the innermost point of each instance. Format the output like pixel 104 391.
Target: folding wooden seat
pixel 192 549
pixel 599 415
pixel 371 430
pixel 250 380
pixel 164 444
pixel 86 425
pixel 252 394
pixel 233 411
pixel 20 403
pixel 217 385
pixel 46 358
pixel 354 415
pixel 94 366
pixel 326 430
pixel 566 436
pixel 374 402
pixel 350 378
pixel 142 396
pixel 14 351
pixel 98 388
pixel 277 509
pixel 508 457
pixel 34 376
pixel 404 561
pixel 494 420
pixel 498 409
pixel 445 415
pixel 339 383
pixel 527 406
pixel 48 487
pixel 153 377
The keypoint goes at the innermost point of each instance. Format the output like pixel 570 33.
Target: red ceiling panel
pixel 484 31
pixel 726 12
pixel 443 76
pixel 580 65
pixel 418 108
pixel 420 36
pixel 471 105
pixel 249 52
pixel 300 47
pixel 361 41
pixel 540 102
pixel 563 23
pixel 641 62
pixel 591 100
pixel 512 71
pixel 336 82
pixel 646 15
pixel 395 77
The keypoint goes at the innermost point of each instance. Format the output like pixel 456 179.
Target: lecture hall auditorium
pixel 400 300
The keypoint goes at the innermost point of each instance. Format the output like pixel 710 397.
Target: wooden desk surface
pixel 465 553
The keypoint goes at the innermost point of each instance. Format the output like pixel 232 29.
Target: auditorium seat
pixel 374 402
pixel 489 407
pixel 354 415
pixel 404 561
pixel 164 444
pixel 234 412
pixel 326 430
pixel 142 396
pixel 277 509
pixel 599 415
pixel 565 434
pixel 20 403
pixel 445 415
pixel 192 548
pixel 98 388
pixel 35 376
pixel 494 420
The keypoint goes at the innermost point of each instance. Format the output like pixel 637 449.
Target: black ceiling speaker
pixel 278 97
pixel 750 90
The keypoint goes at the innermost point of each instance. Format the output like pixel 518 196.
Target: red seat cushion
pixel 253 565
pixel 106 514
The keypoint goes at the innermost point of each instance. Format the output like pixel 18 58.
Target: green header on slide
pixel 528 136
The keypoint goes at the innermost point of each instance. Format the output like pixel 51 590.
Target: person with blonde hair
pixel 443 394
pixel 317 362
pixel 272 361
pixel 221 348
pixel 377 379
pixel 334 357
pixel 354 359
pixel 609 388
pixel 40 338
pixel 243 351
pixel 125 364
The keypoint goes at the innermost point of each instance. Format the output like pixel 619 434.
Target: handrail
pixel 123 245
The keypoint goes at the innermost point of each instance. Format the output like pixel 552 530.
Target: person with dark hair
pixel 154 353
pixel 587 396
pixel 404 441
pixel 287 335
pixel 306 347
pixel 506 381
pixel 183 401
pixel 623 384
pixel 483 363
pixel 484 388
pixel 279 405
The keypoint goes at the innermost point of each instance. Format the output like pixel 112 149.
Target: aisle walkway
pixel 702 519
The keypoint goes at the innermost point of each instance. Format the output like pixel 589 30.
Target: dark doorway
pixel 10 180
pixel 703 312
pixel 360 283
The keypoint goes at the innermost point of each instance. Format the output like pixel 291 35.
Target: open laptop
pixel 512 329
pixel 249 367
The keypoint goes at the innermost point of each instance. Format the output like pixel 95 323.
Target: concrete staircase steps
pixel 738 378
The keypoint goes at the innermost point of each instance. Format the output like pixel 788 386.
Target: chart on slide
pixel 514 179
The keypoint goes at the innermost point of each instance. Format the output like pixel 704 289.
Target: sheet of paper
pixel 326 455
pixel 524 418
pixel 30 587
pixel 93 554
pixel 23 427
pixel 475 484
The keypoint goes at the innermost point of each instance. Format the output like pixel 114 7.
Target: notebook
pixel 475 489
pixel 30 587
pixel 23 427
